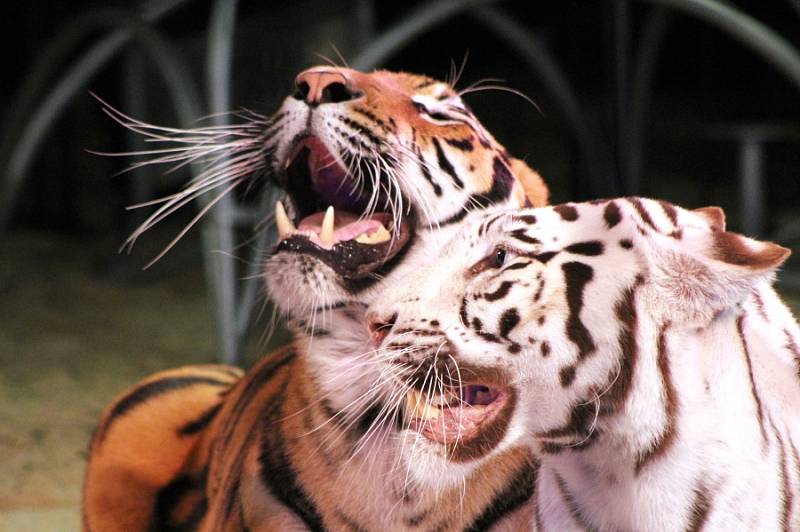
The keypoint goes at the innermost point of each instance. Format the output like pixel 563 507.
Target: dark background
pixel 702 77
pixel 80 322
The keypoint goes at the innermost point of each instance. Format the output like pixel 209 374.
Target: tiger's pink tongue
pixel 347 226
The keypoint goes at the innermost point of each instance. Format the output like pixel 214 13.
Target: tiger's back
pixel 144 470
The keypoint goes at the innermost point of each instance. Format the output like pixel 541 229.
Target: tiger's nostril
pixel 338 92
pixel 302 90
pixel 380 326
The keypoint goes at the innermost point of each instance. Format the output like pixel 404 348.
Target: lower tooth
pixel 419 408
pixel 379 236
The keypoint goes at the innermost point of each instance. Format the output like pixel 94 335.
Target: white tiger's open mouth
pixel 456 418
pixel 335 216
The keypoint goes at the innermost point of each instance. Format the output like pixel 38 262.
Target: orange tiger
pixel 373 165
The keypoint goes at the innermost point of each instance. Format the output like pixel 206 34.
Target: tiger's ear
pixel 748 254
pixel 706 272
pixel 715 217
pixel 532 190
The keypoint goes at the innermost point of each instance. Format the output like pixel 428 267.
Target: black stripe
pixel 698 513
pixel 567 212
pixel 612 214
pixel 462 312
pixel 457 217
pixel 516 493
pixel 446 165
pixel 374 119
pixel 193 427
pixel 356 143
pixel 501 292
pixel 642 210
pixel 576 276
pixel 352 524
pixel 591 248
pixel 545 257
pixel 277 472
pixel 572 504
pixel 625 311
pixel 664 440
pixel 149 391
pixel 426 173
pixel 364 130
pixel 501 188
pixel 579 425
pixel 786 495
pixel 417 519
pixel 517 266
pixel 461 144
pixel 252 387
pixel 522 236
pixel 670 211
pixel 529 219
pixel 753 390
pixel 170 496
pixel 507 322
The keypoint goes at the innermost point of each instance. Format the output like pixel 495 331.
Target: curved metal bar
pixel 218 230
pixel 539 59
pixel 518 38
pixel 648 48
pixel 424 17
pixel 253 279
pixel 795 5
pixel 18 148
pixel 746 29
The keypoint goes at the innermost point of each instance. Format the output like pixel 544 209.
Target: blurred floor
pixel 70 340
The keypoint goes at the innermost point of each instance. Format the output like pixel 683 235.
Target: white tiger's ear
pixel 706 272
pixel 532 190
pixel 747 254
pixel 715 217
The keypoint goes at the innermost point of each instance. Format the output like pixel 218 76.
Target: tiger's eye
pixel 499 257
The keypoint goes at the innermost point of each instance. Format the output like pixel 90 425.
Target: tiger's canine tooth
pixel 326 233
pixel 419 408
pixel 378 237
pixel 285 225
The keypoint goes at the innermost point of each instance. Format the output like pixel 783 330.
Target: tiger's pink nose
pixel 320 85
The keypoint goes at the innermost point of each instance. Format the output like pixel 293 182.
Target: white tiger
pixel 653 368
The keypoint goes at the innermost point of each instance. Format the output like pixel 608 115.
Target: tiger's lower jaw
pixel 465 428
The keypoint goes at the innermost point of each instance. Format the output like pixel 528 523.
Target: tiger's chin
pixel 301 286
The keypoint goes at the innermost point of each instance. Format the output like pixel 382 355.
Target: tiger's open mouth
pixel 458 417
pixel 336 217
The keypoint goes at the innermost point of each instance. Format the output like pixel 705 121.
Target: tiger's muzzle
pixel 464 408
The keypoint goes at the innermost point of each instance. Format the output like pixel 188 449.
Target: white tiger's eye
pixel 498 257
pixel 495 259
